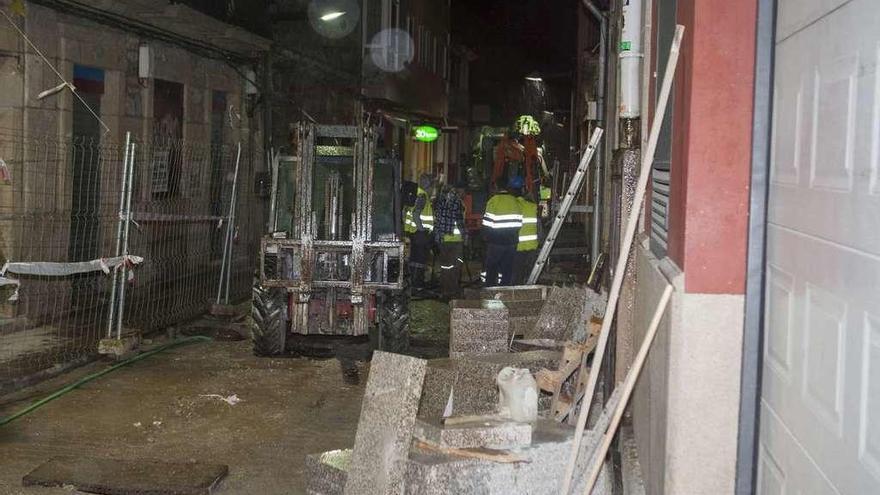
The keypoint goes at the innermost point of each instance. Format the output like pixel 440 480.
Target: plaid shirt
pixel 448 212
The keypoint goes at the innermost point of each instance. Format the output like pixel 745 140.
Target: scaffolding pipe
pixel 119 233
pixel 600 116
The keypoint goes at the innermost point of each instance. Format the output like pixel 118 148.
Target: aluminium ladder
pixel 565 206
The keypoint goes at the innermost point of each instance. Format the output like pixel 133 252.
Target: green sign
pixel 625 46
pixel 425 133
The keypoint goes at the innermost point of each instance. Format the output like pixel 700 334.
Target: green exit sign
pixel 425 133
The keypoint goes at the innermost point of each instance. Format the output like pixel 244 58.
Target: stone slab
pixel 128 476
pixel 477 327
pixel 565 314
pixel 326 472
pixel 385 427
pixel 472 380
pixel 494 433
pixel 515 292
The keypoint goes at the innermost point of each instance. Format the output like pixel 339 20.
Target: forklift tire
pixel 269 328
pixel 394 320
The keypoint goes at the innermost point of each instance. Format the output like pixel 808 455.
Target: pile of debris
pixel 476 422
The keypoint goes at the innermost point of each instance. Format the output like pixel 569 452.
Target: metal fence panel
pixel 60 202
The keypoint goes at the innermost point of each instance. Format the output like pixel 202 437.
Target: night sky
pixel 513 39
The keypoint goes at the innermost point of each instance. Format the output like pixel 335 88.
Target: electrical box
pixel 592 111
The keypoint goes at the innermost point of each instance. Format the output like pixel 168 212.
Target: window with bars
pixel 662 173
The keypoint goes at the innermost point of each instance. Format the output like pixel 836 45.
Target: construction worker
pixel 501 223
pixel 527 246
pixel 418 224
pixel 449 234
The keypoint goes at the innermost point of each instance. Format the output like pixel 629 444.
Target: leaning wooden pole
pixel 628 385
pixel 631 224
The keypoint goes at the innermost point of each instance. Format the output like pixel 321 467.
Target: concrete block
pixel 121 348
pixel 226 310
pixel 384 434
pixel 495 433
pixel 477 327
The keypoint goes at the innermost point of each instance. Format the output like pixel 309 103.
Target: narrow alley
pixel 425 247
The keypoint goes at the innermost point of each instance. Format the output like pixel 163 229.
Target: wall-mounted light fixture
pixel 250 82
pixel 534 77
pixel 145 62
pixel 332 15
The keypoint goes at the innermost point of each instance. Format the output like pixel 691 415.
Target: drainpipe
pixel 600 115
pixel 631 60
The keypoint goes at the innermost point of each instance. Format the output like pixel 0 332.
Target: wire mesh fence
pixel 64 203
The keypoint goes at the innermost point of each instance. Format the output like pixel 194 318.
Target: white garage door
pixel 820 414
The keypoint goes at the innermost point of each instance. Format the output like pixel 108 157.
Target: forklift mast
pixel 336 230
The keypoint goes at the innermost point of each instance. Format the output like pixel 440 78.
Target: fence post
pixel 121 310
pixel 122 190
pixel 226 262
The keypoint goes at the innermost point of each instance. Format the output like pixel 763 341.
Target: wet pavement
pixel 170 407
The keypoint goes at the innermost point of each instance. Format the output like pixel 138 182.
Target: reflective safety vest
pixel 502 219
pixel 545 193
pixel 427 215
pixel 528 233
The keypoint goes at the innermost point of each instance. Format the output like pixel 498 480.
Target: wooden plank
pixel 628 385
pixel 482 453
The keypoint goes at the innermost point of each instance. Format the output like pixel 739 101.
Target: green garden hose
pixel 86 379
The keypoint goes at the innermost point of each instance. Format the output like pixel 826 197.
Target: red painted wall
pixel 712 144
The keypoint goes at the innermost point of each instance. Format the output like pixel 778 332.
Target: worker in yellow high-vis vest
pixel 501 223
pixel 527 245
pixel 418 224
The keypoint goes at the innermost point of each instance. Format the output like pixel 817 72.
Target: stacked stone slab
pixel 477 327
pixel 491 432
pixel 472 381
pixel 430 473
pixel 523 302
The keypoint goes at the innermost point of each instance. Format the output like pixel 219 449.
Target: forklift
pixel 332 268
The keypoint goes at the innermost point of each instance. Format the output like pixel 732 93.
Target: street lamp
pixel 329 16
pixel 534 77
